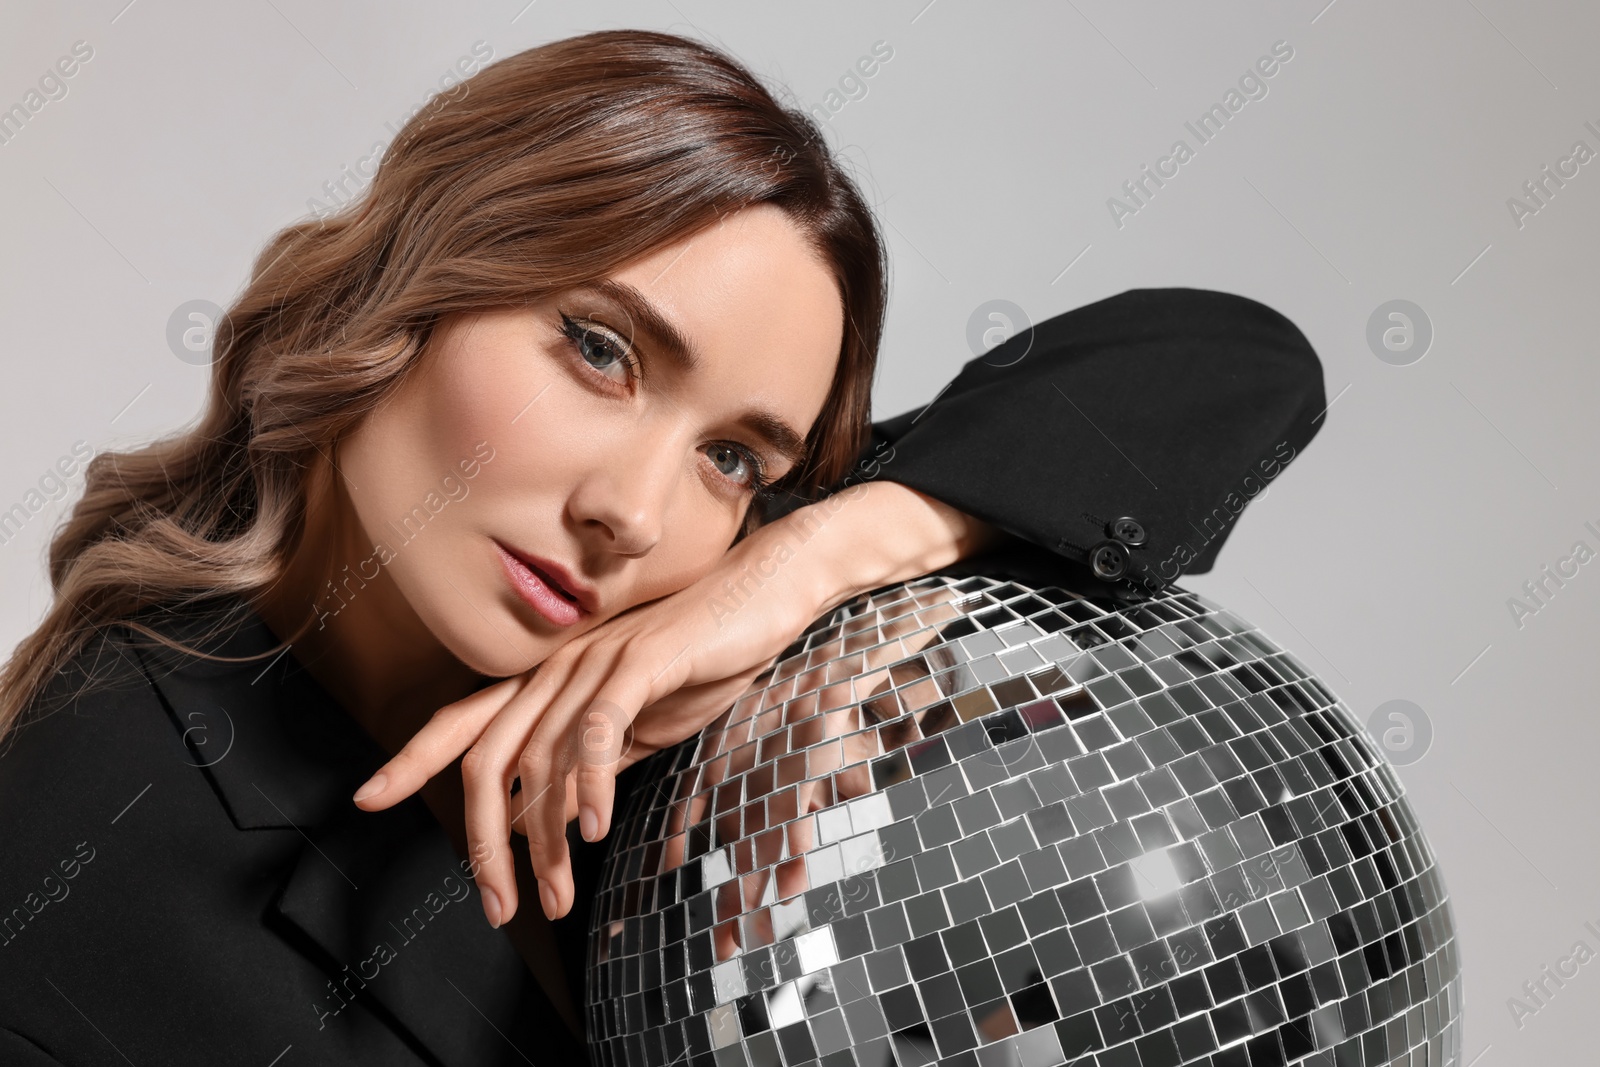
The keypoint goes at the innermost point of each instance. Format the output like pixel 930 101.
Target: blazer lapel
pixel 390 904
pixel 380 900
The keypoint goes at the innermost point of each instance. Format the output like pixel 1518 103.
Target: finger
pixel 487 772
pixel 601 732
pixel 517 805
pixel 541 770
pixel 605 734
pixel 612 718
pixel 544 766
pixel 449 733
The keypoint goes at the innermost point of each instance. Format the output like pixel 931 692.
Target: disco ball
pixel 964 821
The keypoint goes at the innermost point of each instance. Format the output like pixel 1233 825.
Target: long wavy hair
pixel 546 169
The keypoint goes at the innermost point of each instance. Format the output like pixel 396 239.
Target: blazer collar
pixel 388 907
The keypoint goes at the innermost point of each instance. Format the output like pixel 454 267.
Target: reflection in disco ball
pixel 962 821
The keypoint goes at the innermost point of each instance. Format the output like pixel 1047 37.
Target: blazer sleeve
pixel 1127 435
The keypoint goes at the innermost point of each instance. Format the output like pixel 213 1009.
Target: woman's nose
pixel 627 491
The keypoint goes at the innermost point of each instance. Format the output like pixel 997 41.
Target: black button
pixel 1127 529
pixel 1108 560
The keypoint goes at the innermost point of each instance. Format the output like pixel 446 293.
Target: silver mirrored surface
pixel 962 821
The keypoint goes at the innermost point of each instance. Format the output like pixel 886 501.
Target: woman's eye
pixel 892 728
pixel 600 349
pixel 875 710
pixel 739 464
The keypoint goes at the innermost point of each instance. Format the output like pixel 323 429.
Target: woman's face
pixel 521 434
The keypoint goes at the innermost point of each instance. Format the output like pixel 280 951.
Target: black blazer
pixel 184 880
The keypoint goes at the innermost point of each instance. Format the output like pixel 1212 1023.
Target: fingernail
pixel 588 822
pixel 547 899
pixel 373 787
pixel 491 907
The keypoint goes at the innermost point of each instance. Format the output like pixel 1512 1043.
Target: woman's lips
pixel 539 591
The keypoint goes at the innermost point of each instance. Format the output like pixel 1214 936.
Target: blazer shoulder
pixel 106 692
pixel 97 724
pixel 98 681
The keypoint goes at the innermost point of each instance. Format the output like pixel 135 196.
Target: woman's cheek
pixel 498 381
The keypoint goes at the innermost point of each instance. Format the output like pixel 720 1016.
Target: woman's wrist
pixel 873 534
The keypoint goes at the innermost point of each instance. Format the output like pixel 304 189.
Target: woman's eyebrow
pixel 669 340
pixel 670 343
pixel 778 434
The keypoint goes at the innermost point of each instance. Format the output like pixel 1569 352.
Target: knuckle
pixel 545 848
pixel 476 765
pixel 534 763
pixel 600 733
pixel 593 776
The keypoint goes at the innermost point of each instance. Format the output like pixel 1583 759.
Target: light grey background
pixel 1377 167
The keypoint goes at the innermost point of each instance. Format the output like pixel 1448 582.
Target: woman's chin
pixel 496 642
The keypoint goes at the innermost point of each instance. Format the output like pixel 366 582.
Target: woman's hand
pixel 655 675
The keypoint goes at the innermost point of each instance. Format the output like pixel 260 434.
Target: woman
pixel 511 436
